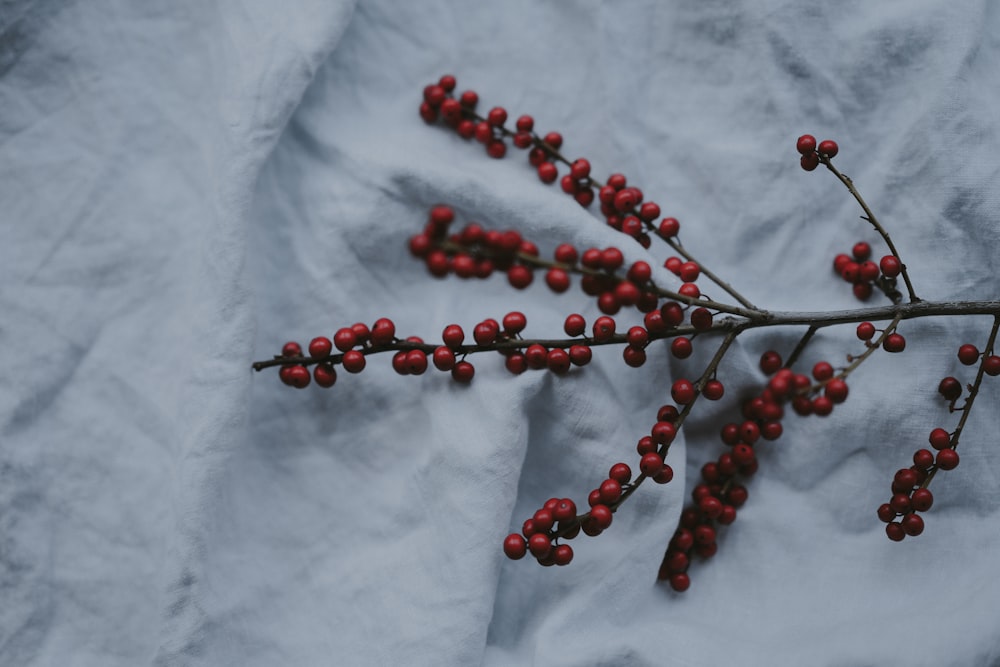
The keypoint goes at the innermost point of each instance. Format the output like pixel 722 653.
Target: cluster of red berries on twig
pixel 679 313
pixel 910 494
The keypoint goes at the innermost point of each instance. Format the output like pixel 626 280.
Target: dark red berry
pixel 947 459
pixel 890 266
pixel 682 391
pixel 320 347
pixel 463 372
pixel 806 144
pixel 828 148
pixel 894 342
pixel 353 361
pixel 514 546
pixel 950 388
pixel 968 354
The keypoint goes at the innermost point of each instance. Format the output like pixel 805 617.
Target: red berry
pixel 689 271
pixel 947 459
pixel 890 266
pixel 822 371
pixel 345 339
pixel 637 337
pixel 895 532
pixel 923 459
pixel 353 361
pixel 496 149
pixel 913 524
pixel 806 144
pixel 536 356
pixel 557 280
pixel 713 390
pixel 539 545
pixel 828 148
pixel 617 181
pixel 861 251
pixel 968 354
pixel 514 322
pixel 866 331
pixel 291 349
pixel 701 319
pixel 681 347
pixel 469 99
pixel 485 333
pixel 604 329
pixel 809 162
pixel 663 432
pixel 649 211
pixel 822 406
pixel 575 325
pixel 680 581
pixel 939 439
pixel 525 124
pixel 640 272
pixel 610 491
pixel 444 358
pixel 516 363
pixel 463 372
pixel 612 259
pixel 950 388
pixel 416 361
pixel 991 365
pixel 320 347
pixel 558 360
pixel 579 355
pixel 447 82
pixel 689 290
pixel 921 500
pixel 580 169
pixel 894 342
pixel 770 362
pixel 885 513
pixel 325 375
pixel 634 356
pixel 514 546
pixel 669 227
pixel 553 139
pixel 563 554
pixel 625 200
pixel 497 116
pixel 682 392
pixel 601 514
pixel 836 391
pixel 547 172
pixel 651 464
pixel 453 336
pixel 295 376
pixel 621 473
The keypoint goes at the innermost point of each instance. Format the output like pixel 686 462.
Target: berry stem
pixel 870 217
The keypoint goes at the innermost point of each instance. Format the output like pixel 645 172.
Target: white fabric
pixel 187 185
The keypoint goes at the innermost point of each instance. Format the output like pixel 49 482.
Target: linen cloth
pixel 187 185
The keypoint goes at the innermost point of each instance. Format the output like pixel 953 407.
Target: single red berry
pixel 651 464
pixel 861 251
pixel 625 200
pixel 353 361
pixel 900 502
pixel 295 376
pixel 566 254
pixel 836 391
pixel 640 272
pixel 580 169
pixel 822 371
pixel 634 356
pixel 575 325
pixel 939 439
pixel 947 459
pixel 428 112
pixel 345 339
pixel 713 390
pixel 710 506
pixel 516 363
pixel 553 139
pixel 950 388
pixel 451 109
pixel 689 290
pixel 522 140
pixel 563 554
pixel 806 144
pixel 894 342
pixel 680 581
pixel 612 259
pixel 968 354
pixel 463 372
pixel 557 280
pixel 320 347
pixel 604 329
pixel 921 500
pixel 539 545
pixel 682 391
pixel 485 332
pixel 497 116
pixel 689 271
pixel 610 490
pixel 809 161
pixel 525 123
pixel 637 337
pixel 536 356
pixel 890 266
pixel 568 185
pixel 669 227
pixel 399 363
pixel 291 349
pixel 867 272
pixel 547 172
pixel 701 319
pixel 923 459
pixel 866 331
pixel 681 347
pixel 905 479
pixel 991 365
pixel 496 149
pixel 514 546
pixel 913 524
pixel 704 534
pixel 621 473
pixel 885 513
pixel 447 82
pixel 514 322
pixel 325 375
pixel 469 99
pixel 601 514
pixel 895 532
pixel 663 432
pixel 822 406
pixel 558 360
pixel 828 148
pixel 444 358
pixel 770 362
pixel 453 336
pixel 520 276
pixel 416 361
pixel 649 211
pixel 580 355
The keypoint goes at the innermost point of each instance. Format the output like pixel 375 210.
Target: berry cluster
pixel 865 275
pixel 679 315
pixel 910 494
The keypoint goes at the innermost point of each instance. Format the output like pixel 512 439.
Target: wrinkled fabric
pixel 186 186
